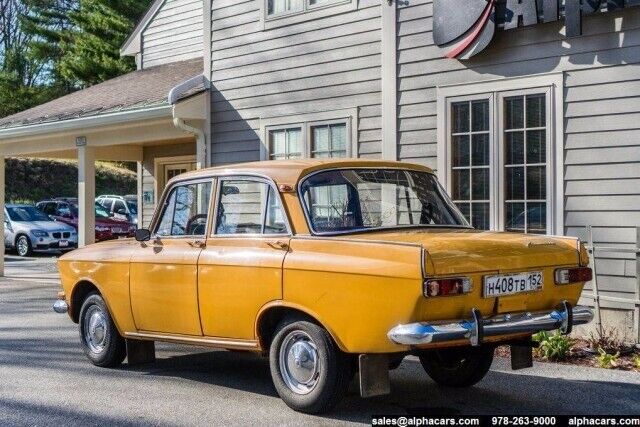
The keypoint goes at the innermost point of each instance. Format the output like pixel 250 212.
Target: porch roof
pixel 138 90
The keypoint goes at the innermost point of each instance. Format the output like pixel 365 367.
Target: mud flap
pixel 140 352
pixel 521 356
pixel 374 375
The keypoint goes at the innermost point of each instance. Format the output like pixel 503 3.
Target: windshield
pixel 338 201
pixel 102 212
pixel 26 214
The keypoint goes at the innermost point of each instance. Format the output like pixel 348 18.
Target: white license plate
pixel 63 243
pixel 509 284
pixel 116 230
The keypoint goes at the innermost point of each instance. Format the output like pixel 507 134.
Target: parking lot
pixel 45 378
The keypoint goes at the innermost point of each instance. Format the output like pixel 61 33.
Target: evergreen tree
pixel 21 73
pixel 82 38
pixel 92 48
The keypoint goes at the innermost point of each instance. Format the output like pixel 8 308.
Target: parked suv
pixel 107 227
pixel 26 229
pixel 121 207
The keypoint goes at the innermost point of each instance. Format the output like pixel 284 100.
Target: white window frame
pixel 307 13
pixel 496 90
pixel 270 129
pixel 306 121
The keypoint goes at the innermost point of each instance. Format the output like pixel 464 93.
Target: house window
pixel 278 13
pixel 281 7
pixel 329 140
pixel 285 143
pixel 470 139
pixel 497 158
pixel 313 135
pixel 525 164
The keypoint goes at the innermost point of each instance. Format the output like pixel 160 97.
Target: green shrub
pixel 608 339
pixel 636 361
pixel 31 180
pixel 553 346
pixel 606 360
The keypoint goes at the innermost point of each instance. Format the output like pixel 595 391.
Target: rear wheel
pixel 458 366
pixel 100 339
pixel 23 245
pixel 309 371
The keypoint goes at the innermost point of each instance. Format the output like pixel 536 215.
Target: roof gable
pixel 133 44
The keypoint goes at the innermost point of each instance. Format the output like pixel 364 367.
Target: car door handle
pixel 198 244
pixel 279 244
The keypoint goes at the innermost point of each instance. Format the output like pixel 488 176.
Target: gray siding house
pixel 528 110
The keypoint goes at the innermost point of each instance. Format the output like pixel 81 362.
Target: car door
pixel 240 270
pixel 164 279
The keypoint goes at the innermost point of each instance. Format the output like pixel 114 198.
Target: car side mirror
pixel 143 235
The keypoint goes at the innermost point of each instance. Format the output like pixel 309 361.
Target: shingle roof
pixel 136 90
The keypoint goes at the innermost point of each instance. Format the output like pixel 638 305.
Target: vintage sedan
pixel 328 267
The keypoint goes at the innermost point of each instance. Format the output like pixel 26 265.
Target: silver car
pixel 26 229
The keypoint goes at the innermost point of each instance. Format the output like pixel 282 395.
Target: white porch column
pixel 139 192
pixel 86 195
pixel 2 213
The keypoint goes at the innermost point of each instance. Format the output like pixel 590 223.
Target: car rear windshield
pixel 350 200
pixel 26 214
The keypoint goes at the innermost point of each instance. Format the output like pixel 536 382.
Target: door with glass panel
pixel 499 162
pixel 471 135
pixel 164 270
pixel 524 169
pixel 241 268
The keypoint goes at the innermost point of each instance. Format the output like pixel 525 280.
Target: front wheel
pixel 309 371
pixel 457 366
pixel 23 246
pixel 100 339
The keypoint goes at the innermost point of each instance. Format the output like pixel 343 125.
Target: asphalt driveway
pixel 45 379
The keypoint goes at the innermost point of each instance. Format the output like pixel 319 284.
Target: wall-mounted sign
pixel 467 30
pixel 81 141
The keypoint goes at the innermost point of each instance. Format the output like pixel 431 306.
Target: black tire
pixel 23 246
pixel 457 366
pixel 329 381
pixel 108 349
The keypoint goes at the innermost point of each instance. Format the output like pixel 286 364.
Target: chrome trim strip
pixel 202 341
pixel 504 324
pixel 339 239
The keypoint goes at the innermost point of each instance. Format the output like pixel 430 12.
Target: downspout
pixel 174 97
pixel 201 139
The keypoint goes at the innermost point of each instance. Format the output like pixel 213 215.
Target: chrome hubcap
pixel 23 246
pixel 299 362
pixel 95 329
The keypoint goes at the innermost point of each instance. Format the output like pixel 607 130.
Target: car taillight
pixel 447 286
pixel 565 276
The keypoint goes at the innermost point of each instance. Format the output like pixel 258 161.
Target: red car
pixel 107 227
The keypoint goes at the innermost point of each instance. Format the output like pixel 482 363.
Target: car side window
pixel 249 207
pixel 63 210
pixel 48 208
pixel 185 211
pixel 119 207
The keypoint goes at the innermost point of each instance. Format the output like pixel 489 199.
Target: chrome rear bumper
pixel 476 328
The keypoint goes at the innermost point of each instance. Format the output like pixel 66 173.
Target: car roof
pixel 290 171
pixel 18 206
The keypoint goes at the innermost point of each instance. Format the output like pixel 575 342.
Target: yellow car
pixel 329 267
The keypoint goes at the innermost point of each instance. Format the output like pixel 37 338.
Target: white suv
pixel 121 207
